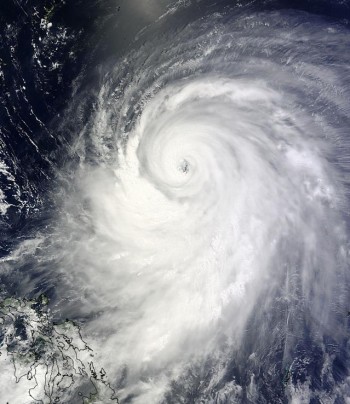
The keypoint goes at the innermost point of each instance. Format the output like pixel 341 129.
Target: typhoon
pixel 202 210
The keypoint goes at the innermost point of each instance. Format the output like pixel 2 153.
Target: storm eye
pixel 184 166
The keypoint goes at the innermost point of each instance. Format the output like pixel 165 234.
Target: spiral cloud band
pixel 212 233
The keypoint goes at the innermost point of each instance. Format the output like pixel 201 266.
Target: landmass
pixel 52 356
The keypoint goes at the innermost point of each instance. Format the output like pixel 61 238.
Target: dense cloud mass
pixel 205 216
pixel 214 191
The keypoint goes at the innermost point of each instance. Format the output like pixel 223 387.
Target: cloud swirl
pixel 213 187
